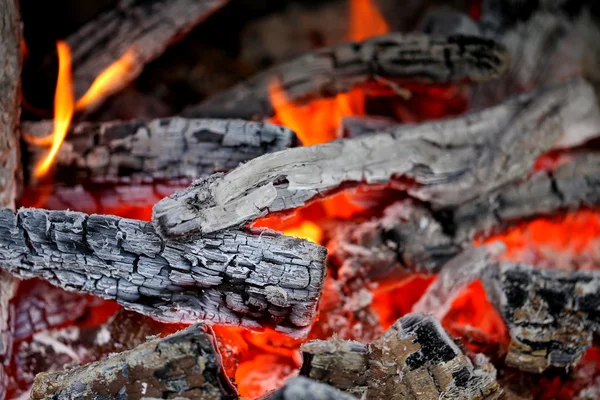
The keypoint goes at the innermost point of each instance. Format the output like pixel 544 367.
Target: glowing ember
pixel 365 20
pixel 106 83
pixel 64 103
pixel 307 230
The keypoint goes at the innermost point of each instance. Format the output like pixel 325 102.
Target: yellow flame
pixel 307 230
pixel 64 103
pixel 108 80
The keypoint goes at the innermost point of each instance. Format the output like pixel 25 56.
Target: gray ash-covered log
pixel 252 279
pixel 329 71
pixel 447 162
pixel 552 315
pixel 170 148
pixel 183 365
pixel 414 359
pixel 138 30
pixel 301 388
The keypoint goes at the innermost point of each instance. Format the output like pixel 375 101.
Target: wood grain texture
pixel 147 27
pixel 414 359
pixel 182 365
pixel 449 162
pixel 252 279
pixel 337 69
pixel 161 149
pixel 551 315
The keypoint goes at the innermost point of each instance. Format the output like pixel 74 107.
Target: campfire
pixel 353 199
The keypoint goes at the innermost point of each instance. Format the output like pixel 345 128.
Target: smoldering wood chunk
pixel 146 28
pixel 450 161
pixel 301 388
pixel 414 359
pixel 169 148
pixel 552 315
pixel 185 364
pixel 8 288
pixel 253 279
pixel 329 71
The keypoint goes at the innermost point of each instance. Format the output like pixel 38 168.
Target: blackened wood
pixel 552 315
pixel 337 69
pixel 301 388
pixel 450 162
pixel 414 359
pixel 170 148
pixel 185 364
pixel 145 27
pixel 252 279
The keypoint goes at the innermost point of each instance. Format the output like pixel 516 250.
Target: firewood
pixel 301 388
pixel 171 148
pixel 337 69
pixel 10 158
pixel 146 28
pixel 252 279
pixel 552 315
pixel 185 364
pixel 450 162
pixel 414 359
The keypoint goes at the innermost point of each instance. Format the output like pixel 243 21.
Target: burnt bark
pixel 414 359
pixel 551 315
pixel 252 279
pixel 337 69
pixel 161 149
pixel 146 28
pixel 183 365
pixel 450 162
pixel 301 388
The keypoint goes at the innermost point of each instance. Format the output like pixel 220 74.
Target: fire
pixel 64 105
pixel 306 230
pixel 365 20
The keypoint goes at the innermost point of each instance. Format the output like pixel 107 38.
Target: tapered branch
pixel 168 148
pixel 413 359
pixel 326 72
pixel 185 364
pixel 552 315
pixel 234 277
pixel 450 162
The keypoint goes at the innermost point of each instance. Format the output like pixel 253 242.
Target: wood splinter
pixel 254 279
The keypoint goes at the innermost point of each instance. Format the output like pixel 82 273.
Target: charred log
pixel 413 359
pixel 301 388
pixel 252 279
pixel 450 162
pixel 552 315
pixel 157 150
pixel 144 28
pixel 185 364
pixel 327 72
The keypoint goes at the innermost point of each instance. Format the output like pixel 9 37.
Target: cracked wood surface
pixel 160 149
pixel 301 388
pixel 185 364
pixel 145 27
pixel 252 279
pixel 552 315
pixel 449 162
pixel 337 69
pixel 414 359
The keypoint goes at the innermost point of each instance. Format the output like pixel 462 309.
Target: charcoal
pixel 301 388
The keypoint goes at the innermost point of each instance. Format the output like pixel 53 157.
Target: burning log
pixel 185 364
pixel 159 149
pixel 415 358
pixel 337 69
pixel 552 315
pixel 135 32
pixel 234 277
pixel 301 388
pixel 450 162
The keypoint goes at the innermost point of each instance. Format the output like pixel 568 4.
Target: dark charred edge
pixel 251 279
pixel 185 364
pixel 337 69
pixel 301 388
pixel 161 149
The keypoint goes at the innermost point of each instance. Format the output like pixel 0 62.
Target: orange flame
pixel 307 230
pixel 64 104
pixel 365 20
pixel 106 83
